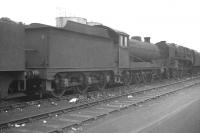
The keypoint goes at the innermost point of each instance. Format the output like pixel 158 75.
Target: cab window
pixel 123 41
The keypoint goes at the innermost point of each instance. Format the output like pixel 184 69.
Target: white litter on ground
pixel 23 124
pixel 53 103
pixel 140 105
pixel 44 121
pixel 74 129
pixel 130 96
pixel 73 100
pixel 17 125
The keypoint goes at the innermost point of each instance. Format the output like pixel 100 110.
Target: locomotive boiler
pixel 143 50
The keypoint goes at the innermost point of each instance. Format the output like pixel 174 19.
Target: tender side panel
pixel 79 51
pixel 36 48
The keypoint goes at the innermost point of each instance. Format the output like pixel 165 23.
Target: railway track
pixel 7 106
pixel 64 117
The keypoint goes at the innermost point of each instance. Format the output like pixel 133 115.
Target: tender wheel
pixel 102 82
pixel 82 89
pixel 101 86
pixel 58 92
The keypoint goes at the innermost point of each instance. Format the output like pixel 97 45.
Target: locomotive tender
pixel 12 57
pixel 78 56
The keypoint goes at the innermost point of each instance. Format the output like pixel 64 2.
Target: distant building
pixel 93 23
pixel 62 21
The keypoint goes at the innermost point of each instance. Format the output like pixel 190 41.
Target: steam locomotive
pixel 39 59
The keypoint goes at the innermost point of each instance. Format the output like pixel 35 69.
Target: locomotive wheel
pixel 127 81
pixel 143 76
pixel 126 78
pixel 136 79
pixel 139 78
pixel 149 77
pixel 58 92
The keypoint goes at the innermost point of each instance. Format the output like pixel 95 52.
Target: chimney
pixel 163 42
pixel 147 39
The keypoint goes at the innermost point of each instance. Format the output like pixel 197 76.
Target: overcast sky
pixel 175 21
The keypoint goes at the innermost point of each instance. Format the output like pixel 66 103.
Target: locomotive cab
pixel 122 55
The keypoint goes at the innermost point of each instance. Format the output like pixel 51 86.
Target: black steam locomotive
pixel 39 58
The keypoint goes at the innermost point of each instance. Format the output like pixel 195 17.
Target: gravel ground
pixel 171 113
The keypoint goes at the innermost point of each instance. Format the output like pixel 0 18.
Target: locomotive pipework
pixel 32 74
